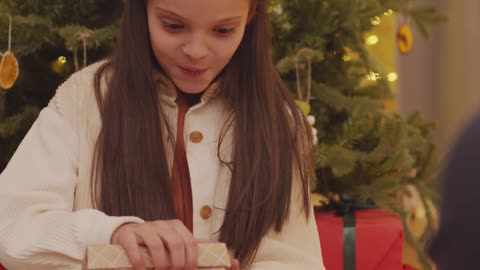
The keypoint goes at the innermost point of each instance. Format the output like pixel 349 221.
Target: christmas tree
pixel 363 153
pixel 51 39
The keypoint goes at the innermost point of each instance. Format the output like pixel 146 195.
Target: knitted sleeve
pixel 38 227
pixel 66 101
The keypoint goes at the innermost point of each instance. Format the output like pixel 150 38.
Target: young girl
pixel 185 133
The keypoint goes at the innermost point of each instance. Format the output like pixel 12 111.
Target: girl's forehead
pixel 197 9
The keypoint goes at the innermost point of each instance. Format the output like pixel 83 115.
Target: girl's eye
pixel 223 31
pixel 172 26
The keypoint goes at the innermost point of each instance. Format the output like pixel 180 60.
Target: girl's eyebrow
pixel 173 14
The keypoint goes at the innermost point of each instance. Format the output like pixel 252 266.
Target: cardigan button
pixel 206 212
pixel 196 137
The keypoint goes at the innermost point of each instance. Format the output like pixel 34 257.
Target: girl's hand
pixel 235 265
pixel 159 237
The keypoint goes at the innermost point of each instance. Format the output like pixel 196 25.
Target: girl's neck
pixel 188 98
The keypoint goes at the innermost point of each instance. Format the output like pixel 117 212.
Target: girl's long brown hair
pixel 271 139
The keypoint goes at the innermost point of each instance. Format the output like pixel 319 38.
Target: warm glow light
pixel 372 40
pixel 375 20
pixel 373 76
pixel 389 12
pixel 277 9
pixel 392 77
pixel 62 60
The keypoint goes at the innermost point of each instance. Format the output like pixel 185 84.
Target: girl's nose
pixel 196 48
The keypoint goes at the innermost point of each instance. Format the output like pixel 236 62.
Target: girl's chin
pixel 192 89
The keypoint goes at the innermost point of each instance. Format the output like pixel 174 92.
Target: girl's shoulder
pixel 76 94
pixel 79 83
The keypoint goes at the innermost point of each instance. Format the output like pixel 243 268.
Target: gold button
pixel 206 212
pixel 196 137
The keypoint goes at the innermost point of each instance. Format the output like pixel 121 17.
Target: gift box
pixel 209 255
pixel 361 240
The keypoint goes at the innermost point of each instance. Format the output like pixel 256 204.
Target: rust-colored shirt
pixel 182 190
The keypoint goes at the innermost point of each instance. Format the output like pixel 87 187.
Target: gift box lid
pixel 210 255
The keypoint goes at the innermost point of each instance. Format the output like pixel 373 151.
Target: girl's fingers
pixel 162 238
pixel 155 247
pixel 190 245
pixel 235 265
pixel 129 242
pixel 175 246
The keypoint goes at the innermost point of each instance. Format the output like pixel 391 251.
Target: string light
pixel 373 76
pixel 60 65
pixel 392 77
pixel 372 40
pixel 346 58
pixel 62 60
pixel 388 12
pixel 276 9
pixel 375 20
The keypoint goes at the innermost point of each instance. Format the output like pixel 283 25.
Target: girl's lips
pixel 193 71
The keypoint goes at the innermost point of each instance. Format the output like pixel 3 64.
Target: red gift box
pixel 378 240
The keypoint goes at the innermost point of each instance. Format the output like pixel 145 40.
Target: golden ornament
pixel 416 220
pixel 404 39
pixel 318 200
pixel 8 65
pixel 9 70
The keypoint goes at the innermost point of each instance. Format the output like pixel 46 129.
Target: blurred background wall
pixel 441 76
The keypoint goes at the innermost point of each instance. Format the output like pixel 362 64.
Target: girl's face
pixel 193 40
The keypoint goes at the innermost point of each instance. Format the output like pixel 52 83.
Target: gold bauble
pixel 404 39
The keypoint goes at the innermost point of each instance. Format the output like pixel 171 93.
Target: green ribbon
pixel 349 249
pixel 346 208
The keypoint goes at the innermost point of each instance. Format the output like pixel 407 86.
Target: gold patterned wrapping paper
pixel 210 255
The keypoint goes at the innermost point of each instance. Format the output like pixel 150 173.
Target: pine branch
pixel 24 40
pixel 10 125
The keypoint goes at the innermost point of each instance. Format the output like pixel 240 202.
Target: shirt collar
pixel 168 89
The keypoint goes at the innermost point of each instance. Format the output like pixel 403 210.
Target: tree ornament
pixel 416 221
pixel 304 107
pixel 303 102
pixel 404 39
pixel 9 68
